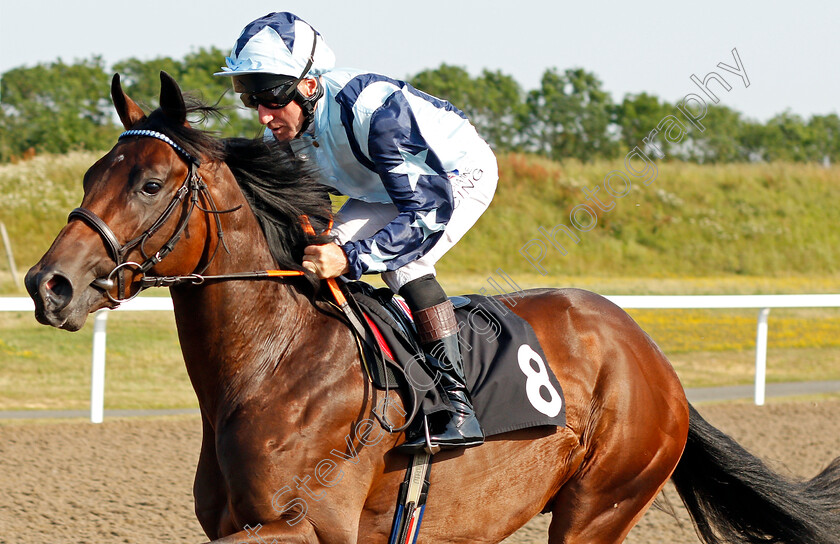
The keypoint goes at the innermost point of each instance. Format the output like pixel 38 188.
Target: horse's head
pixel 136 205
pixel 136 215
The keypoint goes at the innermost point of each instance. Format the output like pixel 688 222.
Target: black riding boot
pixel 438 333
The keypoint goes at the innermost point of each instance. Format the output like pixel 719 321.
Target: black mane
pixel 279 188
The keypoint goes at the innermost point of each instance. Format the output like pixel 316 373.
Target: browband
pixel 164 138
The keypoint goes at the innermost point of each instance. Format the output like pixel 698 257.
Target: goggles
pixel 274 98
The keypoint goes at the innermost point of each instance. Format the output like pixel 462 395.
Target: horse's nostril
pixel 58 290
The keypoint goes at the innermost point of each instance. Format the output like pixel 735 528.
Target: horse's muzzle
pixel 53 292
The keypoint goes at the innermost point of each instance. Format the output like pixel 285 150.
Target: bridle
pixel 192 185
pixel 196 188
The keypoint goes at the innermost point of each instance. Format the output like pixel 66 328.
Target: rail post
pixel 97 368
pixel 761 355
pixel 10 255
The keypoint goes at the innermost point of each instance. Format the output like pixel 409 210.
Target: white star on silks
pixel 375 259
pixel 413 166
pixel 428 223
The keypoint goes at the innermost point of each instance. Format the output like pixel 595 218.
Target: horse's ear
pixel 171 99
pixel 129 112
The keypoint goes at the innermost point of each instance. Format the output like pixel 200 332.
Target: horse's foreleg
pixel 279 532
pixel 208 490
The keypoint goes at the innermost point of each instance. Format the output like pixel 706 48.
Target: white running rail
pixel 761 302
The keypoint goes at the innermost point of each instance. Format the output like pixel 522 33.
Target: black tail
pixel 733 497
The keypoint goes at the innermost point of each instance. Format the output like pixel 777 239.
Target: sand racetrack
pixel 131 480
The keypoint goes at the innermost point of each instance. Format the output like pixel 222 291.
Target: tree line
pixel 58 107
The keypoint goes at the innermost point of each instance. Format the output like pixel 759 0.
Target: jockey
pixel 417 175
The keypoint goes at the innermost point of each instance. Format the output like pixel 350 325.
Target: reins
pixel 198 279
pixel 196 188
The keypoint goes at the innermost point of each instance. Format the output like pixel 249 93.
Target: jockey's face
pixel 285 123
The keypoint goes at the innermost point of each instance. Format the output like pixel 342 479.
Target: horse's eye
pixel 152 187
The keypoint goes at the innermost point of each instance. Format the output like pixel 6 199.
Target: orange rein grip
pixel 333 285
pixel 283 273
pixel 339 296
pixel 307 226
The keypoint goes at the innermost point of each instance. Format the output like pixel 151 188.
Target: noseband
pixel 193 184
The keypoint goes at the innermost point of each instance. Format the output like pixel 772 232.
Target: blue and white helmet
pixel 272 55
pixel 279 44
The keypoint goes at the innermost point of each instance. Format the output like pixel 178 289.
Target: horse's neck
pixel 233 333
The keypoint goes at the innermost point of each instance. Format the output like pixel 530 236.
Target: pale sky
pixel 790 50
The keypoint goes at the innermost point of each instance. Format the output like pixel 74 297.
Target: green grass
pixel 742 219
pixel 723 368
pixel 37 196
pixel 627 285
pixel 770 220
pixel 45 368
pixel 727 229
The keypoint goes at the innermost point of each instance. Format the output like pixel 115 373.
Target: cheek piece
pixel 307 104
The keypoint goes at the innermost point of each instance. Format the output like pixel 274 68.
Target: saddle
pixel 387 341
pixel 511 385
pixel 378 358
pixel 392 336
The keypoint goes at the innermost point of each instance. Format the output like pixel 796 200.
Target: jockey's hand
pixel 326 261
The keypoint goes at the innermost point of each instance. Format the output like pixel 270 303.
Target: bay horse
pixel 289 453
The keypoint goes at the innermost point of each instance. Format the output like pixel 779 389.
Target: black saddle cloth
pixel 511 384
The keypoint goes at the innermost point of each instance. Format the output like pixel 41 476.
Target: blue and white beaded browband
pixel 164 138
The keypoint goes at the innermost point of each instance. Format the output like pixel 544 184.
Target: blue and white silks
pixel 377 139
